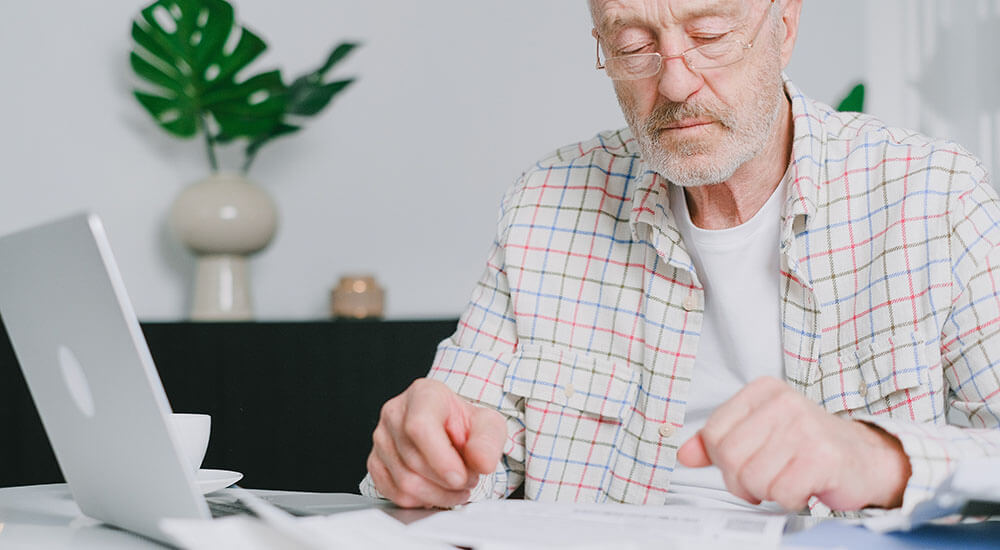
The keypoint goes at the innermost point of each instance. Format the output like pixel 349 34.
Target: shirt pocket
pixel 575 407
pixel 885 376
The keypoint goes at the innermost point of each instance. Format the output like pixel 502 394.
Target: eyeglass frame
pixel 745 47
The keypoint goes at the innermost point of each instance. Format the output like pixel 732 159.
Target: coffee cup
pixel 192 431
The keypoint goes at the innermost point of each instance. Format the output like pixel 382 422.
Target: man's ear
pixel 790 20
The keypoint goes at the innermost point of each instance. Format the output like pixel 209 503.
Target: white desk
pixel 45 516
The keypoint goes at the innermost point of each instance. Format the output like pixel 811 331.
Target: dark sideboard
pixel 293 404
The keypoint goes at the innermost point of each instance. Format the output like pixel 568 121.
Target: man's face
pixel 696 127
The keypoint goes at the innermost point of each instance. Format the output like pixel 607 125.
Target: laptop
pixel 93 380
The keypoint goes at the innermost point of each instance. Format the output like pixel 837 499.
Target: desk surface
pixel 46 516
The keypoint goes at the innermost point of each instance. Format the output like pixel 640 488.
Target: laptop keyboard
pixel 220 508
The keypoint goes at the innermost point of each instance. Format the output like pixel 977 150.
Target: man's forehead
pixel 612 14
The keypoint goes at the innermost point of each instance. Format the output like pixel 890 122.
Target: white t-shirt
pixel 741 333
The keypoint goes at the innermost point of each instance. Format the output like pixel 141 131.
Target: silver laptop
pixel 93 381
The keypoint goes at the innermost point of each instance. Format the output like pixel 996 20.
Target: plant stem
pixel 247 161
pixel 209 145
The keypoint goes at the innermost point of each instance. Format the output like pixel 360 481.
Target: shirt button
pixel 690 303
pixel 862 389
pixel 667 430
pixel 569 391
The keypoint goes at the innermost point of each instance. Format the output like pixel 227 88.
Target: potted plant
pixel 191 56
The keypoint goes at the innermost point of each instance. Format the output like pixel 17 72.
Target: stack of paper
pixel 493 525
pixel 365 529
pixel 529 525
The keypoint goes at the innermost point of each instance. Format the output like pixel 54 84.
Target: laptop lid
pixel 92 377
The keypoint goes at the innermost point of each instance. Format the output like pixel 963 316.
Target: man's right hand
pixel 430 446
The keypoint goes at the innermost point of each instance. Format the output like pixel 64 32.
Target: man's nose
pixel 677 81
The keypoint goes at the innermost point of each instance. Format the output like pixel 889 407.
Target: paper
pixel 527 524
pixel 365 529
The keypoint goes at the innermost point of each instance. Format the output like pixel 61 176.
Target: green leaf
pixel 180 50
pixel 308 94
pixel 219 20
pixel 854 101
pixel 165 78
pixel 168 115
pixel 252 108
pixel 277 131
pixel 145 40
pixel 336 55
pixel 306 98
pixel 247 49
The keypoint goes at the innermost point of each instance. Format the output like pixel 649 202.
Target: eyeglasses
pixel 726 50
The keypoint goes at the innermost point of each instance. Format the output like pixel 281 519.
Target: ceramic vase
pixel 223 219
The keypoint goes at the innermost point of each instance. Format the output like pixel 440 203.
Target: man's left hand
pixel 771 443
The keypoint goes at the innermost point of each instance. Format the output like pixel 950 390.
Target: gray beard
pixel 693 164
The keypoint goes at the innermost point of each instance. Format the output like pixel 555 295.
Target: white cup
pixel 193 431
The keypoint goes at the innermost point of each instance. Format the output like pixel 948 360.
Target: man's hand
pixel 430 446
pixel 773 444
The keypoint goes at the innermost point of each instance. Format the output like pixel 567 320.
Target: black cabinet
pixel 293 404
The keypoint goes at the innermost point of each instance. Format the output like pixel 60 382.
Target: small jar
pixel 357 297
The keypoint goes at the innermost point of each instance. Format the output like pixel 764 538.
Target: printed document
pixel 529 524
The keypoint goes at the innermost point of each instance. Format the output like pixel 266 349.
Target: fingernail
pixel 455 479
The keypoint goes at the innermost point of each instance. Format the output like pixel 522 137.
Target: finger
pixel 764 466
pixel 424 423
pixel 410 456
pixel 487 433
pixel 736 488
pixel 381 478
pixel 392 433
pixel 793 486
pixel 386 485
pixel 693 454
pixel 457 425
pixel 752 436
pixel 738 407
pixel 406 487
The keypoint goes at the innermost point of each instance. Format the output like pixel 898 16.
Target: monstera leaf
pixel 185 51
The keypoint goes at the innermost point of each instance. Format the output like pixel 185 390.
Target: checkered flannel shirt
pixel 584 327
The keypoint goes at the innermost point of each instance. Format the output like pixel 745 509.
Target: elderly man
pixel 743 294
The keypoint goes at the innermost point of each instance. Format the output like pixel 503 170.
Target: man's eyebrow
pixel 610 25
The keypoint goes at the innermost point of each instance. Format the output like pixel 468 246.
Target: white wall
pixel 939 72
pixel 400 177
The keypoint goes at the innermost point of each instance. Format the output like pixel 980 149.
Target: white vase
pixel 223 218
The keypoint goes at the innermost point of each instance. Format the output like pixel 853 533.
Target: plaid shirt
pixel 584 327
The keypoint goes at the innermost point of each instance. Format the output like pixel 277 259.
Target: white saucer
pixel 213 480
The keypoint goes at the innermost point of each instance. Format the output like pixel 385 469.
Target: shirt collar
pixel 808 154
